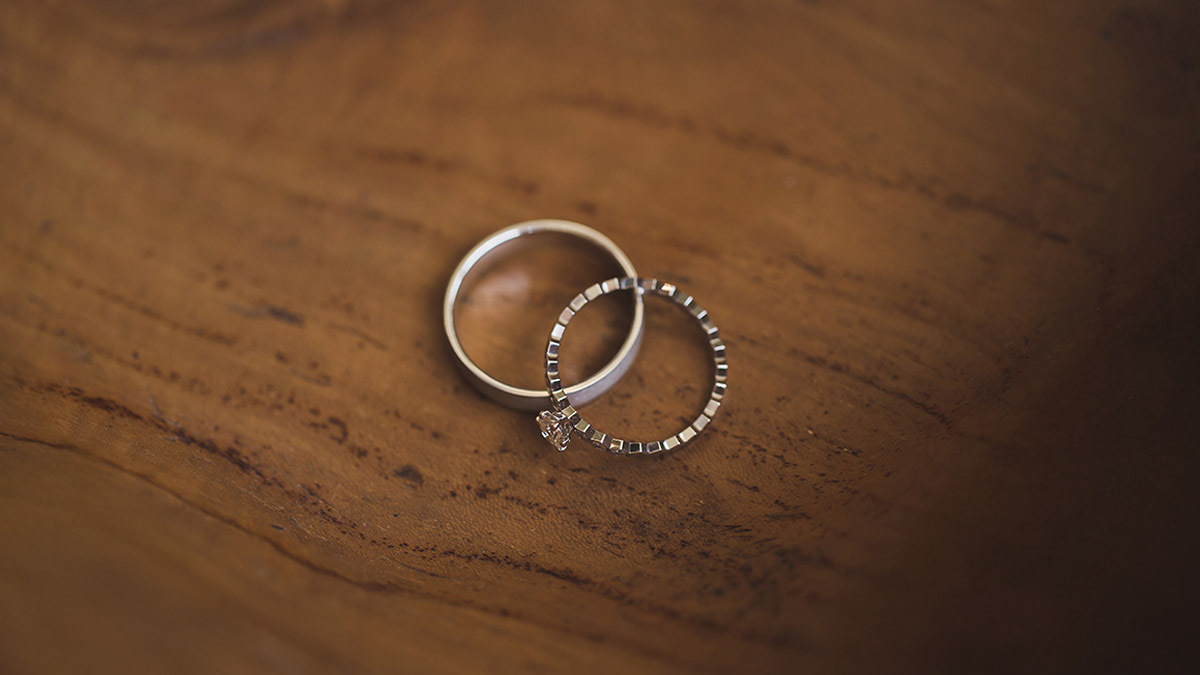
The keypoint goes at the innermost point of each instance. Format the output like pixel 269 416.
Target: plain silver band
pixel 538 399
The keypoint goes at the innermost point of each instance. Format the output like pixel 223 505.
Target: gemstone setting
pixel 556 429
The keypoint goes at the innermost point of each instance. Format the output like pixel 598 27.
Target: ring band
pixel 534 399
pixel 558 422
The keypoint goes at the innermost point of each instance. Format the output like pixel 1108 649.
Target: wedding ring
pixel 533 399
pixel 562 419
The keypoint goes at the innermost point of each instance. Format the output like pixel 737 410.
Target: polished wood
pixel 952 248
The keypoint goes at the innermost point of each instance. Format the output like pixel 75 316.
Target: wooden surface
pixel 952 246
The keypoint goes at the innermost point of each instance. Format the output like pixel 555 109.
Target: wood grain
pixel 952 246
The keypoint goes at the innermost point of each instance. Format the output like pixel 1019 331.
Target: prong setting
pixel 555 428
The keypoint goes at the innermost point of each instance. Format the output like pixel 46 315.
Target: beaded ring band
pixel 557 423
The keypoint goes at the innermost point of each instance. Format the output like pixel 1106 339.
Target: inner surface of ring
pixel 511 298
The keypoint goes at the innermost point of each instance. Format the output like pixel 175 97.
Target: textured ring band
pixel 558 422
pixel 533 399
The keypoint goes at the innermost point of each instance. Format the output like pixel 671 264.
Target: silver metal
pixel 562 420
pixel 535 399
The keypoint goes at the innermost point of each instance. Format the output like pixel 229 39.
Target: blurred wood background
pixel 953 248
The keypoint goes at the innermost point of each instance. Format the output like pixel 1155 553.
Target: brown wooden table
pixel 953 248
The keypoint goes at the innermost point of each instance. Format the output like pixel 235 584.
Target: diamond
pixel 555 428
